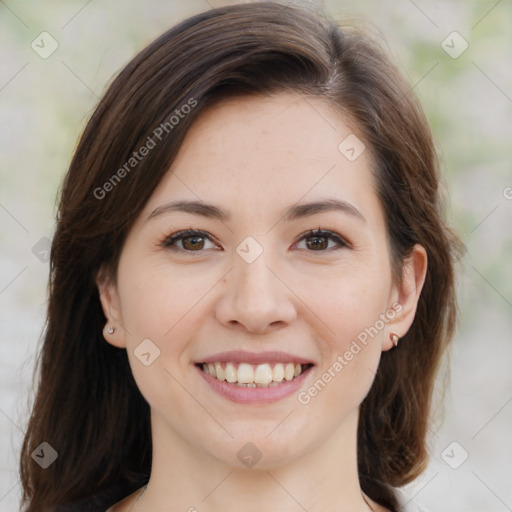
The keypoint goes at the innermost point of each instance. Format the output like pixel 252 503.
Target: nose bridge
pixel 251 261
pixel 254 284
pixel 254 296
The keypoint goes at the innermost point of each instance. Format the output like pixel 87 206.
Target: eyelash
pixel 180 235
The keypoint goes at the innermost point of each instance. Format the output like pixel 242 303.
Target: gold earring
pixel 394 338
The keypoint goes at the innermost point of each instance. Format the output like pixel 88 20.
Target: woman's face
pixel 252 291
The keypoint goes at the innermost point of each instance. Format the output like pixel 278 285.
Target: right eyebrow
pixel 193 207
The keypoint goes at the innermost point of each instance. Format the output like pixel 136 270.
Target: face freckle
pixel 256 284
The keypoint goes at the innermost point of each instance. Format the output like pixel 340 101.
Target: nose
pixel 255 298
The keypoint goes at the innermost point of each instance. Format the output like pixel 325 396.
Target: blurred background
pixel 56 60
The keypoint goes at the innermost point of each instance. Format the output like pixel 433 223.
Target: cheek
pixel 160 305
pixel 350 350
pixel 351 309
pixel 346 300
pixel 157 299
pixel 166 306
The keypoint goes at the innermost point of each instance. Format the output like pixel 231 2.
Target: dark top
pixel 102 501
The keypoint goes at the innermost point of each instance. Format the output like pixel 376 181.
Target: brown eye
pixel 317 242
pixel 189 241
pixel 193 243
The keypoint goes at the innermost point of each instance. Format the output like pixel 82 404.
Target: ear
pixel 111 306
pixel 406 295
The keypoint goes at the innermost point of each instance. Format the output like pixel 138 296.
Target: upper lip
pixel 242 356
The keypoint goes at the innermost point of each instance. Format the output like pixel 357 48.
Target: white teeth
pixel 220 371
pixel 278 373
pixel 289 371
pixel 263 374
pixel 230 373
pixel 247 375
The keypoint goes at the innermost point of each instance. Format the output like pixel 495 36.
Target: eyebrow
pixel 294 212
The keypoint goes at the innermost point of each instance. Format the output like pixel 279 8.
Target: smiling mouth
pixel 254 375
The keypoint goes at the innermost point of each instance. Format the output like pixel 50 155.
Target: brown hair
pixel 88 407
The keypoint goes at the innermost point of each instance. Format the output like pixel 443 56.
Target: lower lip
pixel 245 395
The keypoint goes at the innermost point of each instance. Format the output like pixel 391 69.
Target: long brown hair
pixel 87 406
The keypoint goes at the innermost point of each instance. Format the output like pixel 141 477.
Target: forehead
pixel 263 152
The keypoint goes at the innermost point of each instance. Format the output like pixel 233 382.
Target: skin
pixel 255 157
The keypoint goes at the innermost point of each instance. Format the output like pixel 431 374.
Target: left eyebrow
pixel 292 213
pixel 306 209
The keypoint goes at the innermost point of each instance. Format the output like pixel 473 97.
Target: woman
pixel 251 280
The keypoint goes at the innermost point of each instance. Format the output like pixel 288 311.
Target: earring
pixel 394 338
pixel 111 330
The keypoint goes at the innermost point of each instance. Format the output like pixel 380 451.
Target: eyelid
pixel 179 235
pixel 341 241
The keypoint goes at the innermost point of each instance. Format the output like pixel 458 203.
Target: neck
pixel 323 478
